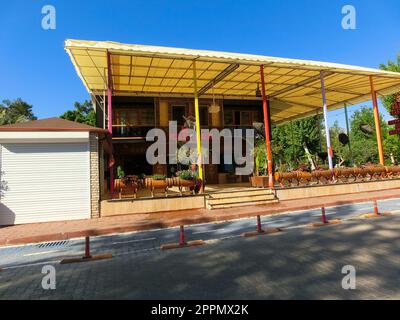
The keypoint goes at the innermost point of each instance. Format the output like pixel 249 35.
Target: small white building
pixel 49 171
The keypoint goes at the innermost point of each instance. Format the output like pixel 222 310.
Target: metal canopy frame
pixel 292 85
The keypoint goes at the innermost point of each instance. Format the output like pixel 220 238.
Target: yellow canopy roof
pixel 293 85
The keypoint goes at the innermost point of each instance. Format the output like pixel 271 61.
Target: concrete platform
pixel 236 195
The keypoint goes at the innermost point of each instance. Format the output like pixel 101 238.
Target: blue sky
pixel 35 67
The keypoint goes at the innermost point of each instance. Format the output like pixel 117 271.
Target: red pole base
pixel 87 248
pixel 259 228
pixel 182 241
pixel 376 211
pixel 323 216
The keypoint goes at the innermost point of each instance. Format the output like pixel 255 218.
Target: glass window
pixel 228 118
pixel 133 119
pixel 147 117
pixel 177 114
pixel 203 110
pixel 245 119
pixel 256 116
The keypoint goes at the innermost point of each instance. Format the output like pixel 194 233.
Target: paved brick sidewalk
pixel 302 263
pixel 49 231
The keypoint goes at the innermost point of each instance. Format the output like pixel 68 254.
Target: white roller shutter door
pixel 44 182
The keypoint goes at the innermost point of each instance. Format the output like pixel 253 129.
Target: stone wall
pixel 94 176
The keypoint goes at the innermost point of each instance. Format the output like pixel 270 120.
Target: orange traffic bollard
pixel 323 216
pixel 324 221
pixel 182 243
pixel 376 213
pixel 87 256
pixel 182 236
pixel 87 248
pixel 260 230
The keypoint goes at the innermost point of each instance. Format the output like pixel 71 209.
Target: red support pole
pixel 259 228
pixel 267 129
pixel 110 117
pixel 323 216
pixel 376 210
pixel 182 236
pixel 87 248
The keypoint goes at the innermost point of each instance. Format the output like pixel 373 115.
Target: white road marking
pixel 136 240
pixel 32 264
pixel 40 253
pixel 208 231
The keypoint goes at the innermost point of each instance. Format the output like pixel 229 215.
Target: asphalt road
pixel 299 263
pixel 147 242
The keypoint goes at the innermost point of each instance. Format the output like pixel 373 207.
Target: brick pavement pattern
pixel 301 263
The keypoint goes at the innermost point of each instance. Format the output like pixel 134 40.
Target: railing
pixel 131 131
pixel 125 131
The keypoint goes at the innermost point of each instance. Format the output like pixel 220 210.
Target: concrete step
pixel 245 198
pixel 239 204
pixel 240 193
pixel 240 198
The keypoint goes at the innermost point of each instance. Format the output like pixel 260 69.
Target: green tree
pixel 364 145
pixel 290 139
pixel 14 111
pixel 394 67
pixel 83 113
pixel 341 152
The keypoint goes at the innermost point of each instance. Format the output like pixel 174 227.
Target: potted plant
pixel 260 175
pixel 141 178
pixel 119 183
pixel 186 179
pixel 157 182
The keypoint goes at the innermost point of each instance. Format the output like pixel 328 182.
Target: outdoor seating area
pixel 157 185
pixel 133 187
pixel 337 175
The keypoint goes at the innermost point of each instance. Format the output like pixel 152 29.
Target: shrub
pixel 159 177
pixel 186 175
pixel 120 173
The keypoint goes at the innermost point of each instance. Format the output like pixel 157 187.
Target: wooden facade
pixel 133 117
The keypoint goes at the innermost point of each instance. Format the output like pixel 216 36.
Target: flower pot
pixel 259 181
pixel 393 171
pixel 189 184
pixel 289 178
pixel 152 185
pixel 125 186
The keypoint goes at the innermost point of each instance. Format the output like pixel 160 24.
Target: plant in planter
pixel 186 179
pixel 123 184
pixel 119 183
pixel 260 174
pixel 157 182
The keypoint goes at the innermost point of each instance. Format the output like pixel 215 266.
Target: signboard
pixel 393 132
pixel 395 111
pixel 394 121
